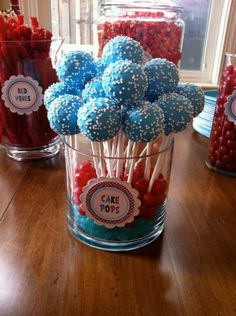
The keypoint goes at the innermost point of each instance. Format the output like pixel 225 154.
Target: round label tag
pixel 110 202
pixel 22 95
pixel 230 108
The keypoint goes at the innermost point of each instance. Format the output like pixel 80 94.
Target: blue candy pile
pixel 117 92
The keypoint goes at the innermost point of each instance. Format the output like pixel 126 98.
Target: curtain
pixel 75 20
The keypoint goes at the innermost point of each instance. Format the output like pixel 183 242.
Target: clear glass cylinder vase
pixel 26 71
pixel 117 200
pixel 222 146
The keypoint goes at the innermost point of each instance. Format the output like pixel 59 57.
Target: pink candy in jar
pixel 156 25
pixel 222 149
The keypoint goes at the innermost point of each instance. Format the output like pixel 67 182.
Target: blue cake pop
pixel 122 48
pixel 93 90
pixel 76 68
pixel 57 89
pixel 124 82
pixel 178 112
pixel 62 114
pixel 144 123
pixel 100 66
pixel 162 77
pixel 99 119
pixel 194 93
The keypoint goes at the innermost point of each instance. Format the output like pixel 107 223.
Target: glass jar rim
pixel 148 5
pixel 166 149
pixel 53 39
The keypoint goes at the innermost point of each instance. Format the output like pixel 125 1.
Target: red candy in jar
pixel 155 24
pixel 222 148
pixel 26 71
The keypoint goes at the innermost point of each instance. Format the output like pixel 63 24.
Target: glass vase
pixel 117 202
pixel 222 146
pixel 26 71
pixel 157 25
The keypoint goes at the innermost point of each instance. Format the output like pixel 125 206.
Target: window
pixel 205 38
pixel 208 33
pixel 196 25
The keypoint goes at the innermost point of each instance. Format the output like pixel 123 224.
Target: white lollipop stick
pixel 131 171
pixel 108 161
pixel 114 145
pixel 118 153
pixel 165 141
pixel 141 155
pixel 102 164
pixel 148 161
pixel 112 154
pixel 128 152
pixel 95 160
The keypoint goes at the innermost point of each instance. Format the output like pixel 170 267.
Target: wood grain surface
pixel 189 270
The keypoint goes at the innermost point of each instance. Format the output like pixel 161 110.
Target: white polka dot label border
pixel 110 202
pixel 230 107
pixel 22 95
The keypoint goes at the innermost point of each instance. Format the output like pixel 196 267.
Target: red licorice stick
pixel 22 51
pixel 3 119
pixel 44 71
pixel 5 55
pixel 3 34
pixel 33 125
pixel 25 139
pixel 34 22
pixel 12 124
pixel 20 19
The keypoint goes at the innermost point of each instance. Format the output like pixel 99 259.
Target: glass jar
pixel 222 147
pixel 155 24
pixel 117 202
pixel 26 71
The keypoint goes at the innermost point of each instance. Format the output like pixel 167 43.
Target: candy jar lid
pixel 165 5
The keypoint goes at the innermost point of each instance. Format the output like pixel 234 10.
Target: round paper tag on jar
pixel 230 107
pixel 22 95
pixel 110 202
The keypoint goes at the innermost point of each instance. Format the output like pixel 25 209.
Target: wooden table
pixel 190 270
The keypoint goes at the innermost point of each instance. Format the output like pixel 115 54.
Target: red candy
pixel 222 149
pixel 150 213
pixel 83 174
pixel 141 185
pixel 159 38
pixel 159 186
pixel 149 201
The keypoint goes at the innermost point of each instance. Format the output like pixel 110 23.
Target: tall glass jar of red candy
pixel 155 24
pixel 26 71
pixel 222 148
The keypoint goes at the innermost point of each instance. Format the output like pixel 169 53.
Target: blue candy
pixel 62 114
pixel 124 82
pixel 122 48
pixel 57 89
pixel 195 94
pixel 93 90
pixel 99 119
pixel 143 123
pixel 178 112
pixel 162 77
pixel 76 68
